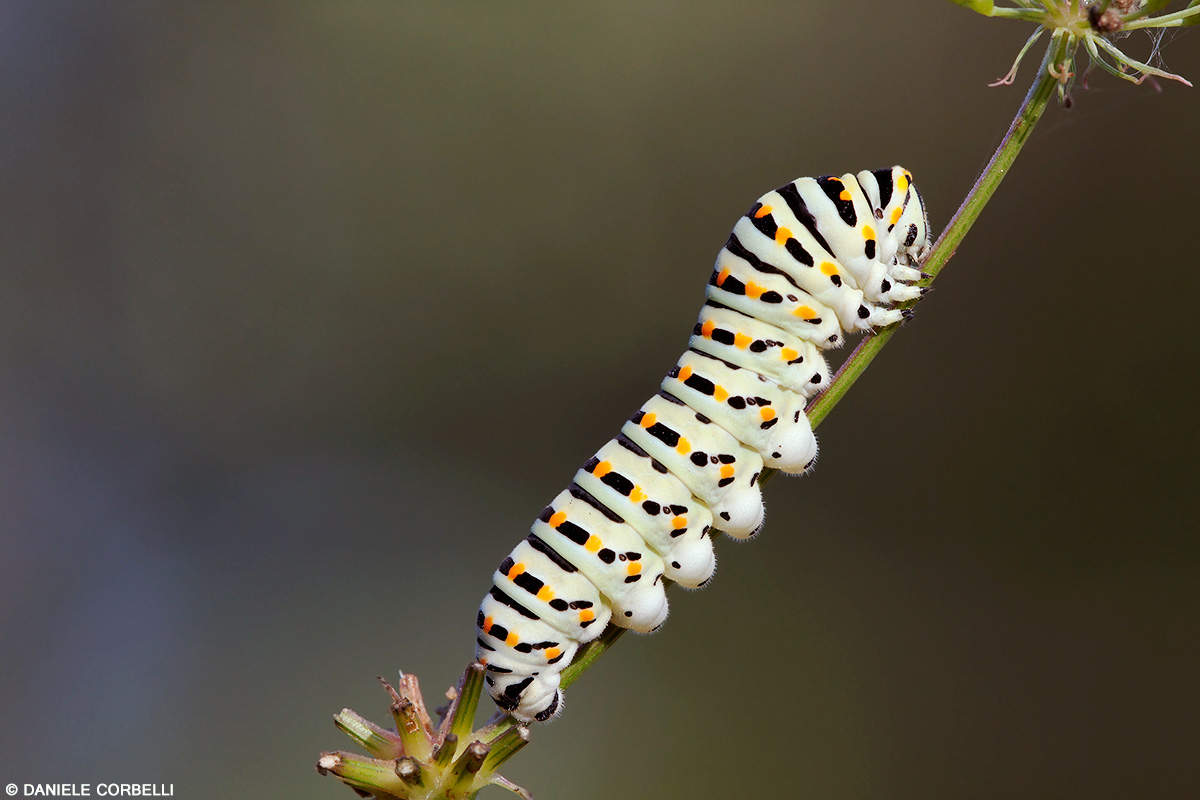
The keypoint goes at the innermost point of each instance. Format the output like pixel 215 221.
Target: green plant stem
pixel 1002 160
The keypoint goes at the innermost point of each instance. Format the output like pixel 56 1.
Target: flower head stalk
pixel 1092 25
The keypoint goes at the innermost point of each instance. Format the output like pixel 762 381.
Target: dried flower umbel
pixel 1092 25
pixel 418 761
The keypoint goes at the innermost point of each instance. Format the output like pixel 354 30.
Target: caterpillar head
pixel 913 229
pixel 898 206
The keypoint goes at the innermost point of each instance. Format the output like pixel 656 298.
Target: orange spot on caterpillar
pixel 741 340
pixel 762 212
pixel 789 354
pixel 637 495
pixel 648 420
pixel 593 544
pixel 552 653
pixel 602 469
pixel 868 232
pixel 782 235
pixel 707 329
pixel 722 275
pixel 720 393
pixel 679 522
pixel 753 290
pixel 685 373
pixel 902 182
pixel 512 639
pixel 683 447
pixel 587 615
pixel 767 414
pixel 727 471
pixel 487 625
pixel 804 312
pixel 829 268
pixel 558 519
pixel 516 570
pixel 545 594
pixel 634 567
pixel 896 212
pixel 844 196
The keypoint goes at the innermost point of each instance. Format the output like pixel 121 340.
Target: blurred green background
pixel 307 309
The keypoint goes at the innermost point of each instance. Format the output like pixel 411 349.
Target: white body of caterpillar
pixel 809 263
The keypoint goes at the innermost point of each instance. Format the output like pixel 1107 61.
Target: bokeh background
pixel 306 309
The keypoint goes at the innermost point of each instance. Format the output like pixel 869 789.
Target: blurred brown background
pixel 306 309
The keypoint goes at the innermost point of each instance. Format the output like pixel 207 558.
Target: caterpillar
pixel 809 263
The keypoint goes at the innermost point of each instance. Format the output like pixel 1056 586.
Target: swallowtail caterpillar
pixel 809 263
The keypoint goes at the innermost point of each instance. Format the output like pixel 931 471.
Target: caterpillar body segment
pixel 775 217
pixel 719 469
pixel 851 232
pixel 864 225
pixel 554 590
pixel 519 637
pixel 758 412
pixel 785 358
pixel 610 554
pixel 662 509
pixel 817 275
pixel 522 658
pixel 809 263
pixel 735 284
